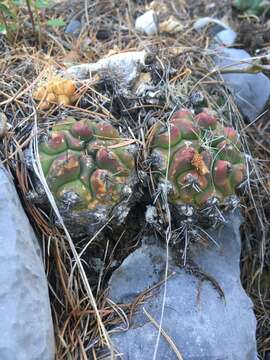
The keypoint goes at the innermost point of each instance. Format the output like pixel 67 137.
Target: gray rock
pixel 26 325
pixel 251 91
pixel 73 27
pixel 147 23
pixel 226 37
pixel 217 24
pixel 220 31
pixel 201 323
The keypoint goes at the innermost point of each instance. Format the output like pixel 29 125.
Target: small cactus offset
pixel 200 158
pixel 57 91
pixel 86 164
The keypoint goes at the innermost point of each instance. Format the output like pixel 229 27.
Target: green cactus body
pixel 200 157
pixel 85 161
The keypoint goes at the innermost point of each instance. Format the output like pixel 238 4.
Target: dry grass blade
pixel 166 336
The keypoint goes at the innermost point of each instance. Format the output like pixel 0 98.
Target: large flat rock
pixel 26 325
pixel 202 324
pixel 251 91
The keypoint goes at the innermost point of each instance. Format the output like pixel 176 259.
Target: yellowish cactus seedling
pixel 57 91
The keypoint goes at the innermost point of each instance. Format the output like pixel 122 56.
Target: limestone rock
pixel 147 23
pixel 226 37
pixel 73 27
pixel 201 323
pixel 26 325
pixel 247 88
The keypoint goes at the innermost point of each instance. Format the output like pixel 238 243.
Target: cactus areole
pixel 199 157
pixel 86 164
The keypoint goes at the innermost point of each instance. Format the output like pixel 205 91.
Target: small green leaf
pixel 58 22
pixel 254 7
pixel 43 4
pixel 17 2
pixel 3 29
pixel 5 10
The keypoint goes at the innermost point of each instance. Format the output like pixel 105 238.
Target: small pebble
pixel 3 125
pixel 197 98
pixel 103 34
pixel 147 23
pixel 73 28
pixel 226 37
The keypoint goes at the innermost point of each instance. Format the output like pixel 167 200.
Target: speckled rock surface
pixel 26 325
pixel 203 325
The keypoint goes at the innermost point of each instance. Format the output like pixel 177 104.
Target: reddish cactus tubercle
pixel 78 159
pixel 204 158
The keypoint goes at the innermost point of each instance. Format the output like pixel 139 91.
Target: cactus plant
pixel 86 165
pixel 199 157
